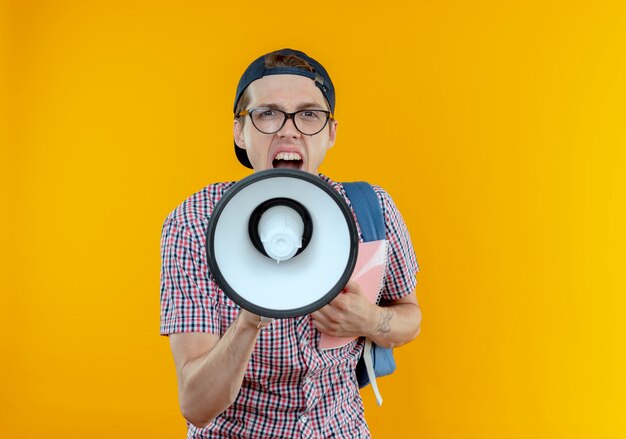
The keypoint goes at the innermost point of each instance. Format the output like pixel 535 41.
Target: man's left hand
pixel 349 314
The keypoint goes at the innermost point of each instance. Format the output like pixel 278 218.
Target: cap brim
pixel 242 156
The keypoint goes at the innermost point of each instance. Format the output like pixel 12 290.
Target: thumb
pixel 352 287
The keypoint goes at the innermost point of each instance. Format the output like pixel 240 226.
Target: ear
pixel 332 132
pixel 238 134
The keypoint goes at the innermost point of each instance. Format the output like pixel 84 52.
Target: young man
pixel 238 375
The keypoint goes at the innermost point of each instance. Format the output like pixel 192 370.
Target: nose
pixel 289 128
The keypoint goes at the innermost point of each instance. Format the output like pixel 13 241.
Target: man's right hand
pixel 210 369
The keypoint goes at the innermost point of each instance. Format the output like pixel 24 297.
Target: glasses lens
pixel 310 121
pixel 267 120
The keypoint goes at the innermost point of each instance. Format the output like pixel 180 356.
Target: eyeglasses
pixel 270 120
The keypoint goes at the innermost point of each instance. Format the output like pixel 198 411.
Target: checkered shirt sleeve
pixel 190 297
pixel 402 265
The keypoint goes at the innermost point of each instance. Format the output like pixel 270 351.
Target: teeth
pixel 288 156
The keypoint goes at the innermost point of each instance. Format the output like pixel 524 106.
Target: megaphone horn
pixel 281 243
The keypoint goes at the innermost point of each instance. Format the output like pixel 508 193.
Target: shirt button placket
pixel 306 427
pixel 310 392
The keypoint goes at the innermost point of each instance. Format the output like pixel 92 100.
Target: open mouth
pixel 287 160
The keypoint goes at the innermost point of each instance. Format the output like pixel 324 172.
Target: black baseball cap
pixel 257 70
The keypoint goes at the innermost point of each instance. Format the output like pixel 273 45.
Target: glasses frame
pixel 249 111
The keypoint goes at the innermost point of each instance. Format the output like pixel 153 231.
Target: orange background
pixel 498 128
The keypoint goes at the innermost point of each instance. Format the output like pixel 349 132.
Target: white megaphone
pixel 281 243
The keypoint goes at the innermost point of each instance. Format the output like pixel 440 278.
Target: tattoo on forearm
pixel 384 324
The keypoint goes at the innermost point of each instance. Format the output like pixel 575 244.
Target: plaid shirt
pixel 290 388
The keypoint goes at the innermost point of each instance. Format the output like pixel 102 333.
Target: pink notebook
pixel 369 272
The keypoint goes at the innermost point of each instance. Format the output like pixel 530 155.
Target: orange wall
pixel 498 127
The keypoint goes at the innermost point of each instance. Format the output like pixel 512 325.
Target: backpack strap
pixel 369 214
pixel 367 208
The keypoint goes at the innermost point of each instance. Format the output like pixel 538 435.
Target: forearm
pixel 396 324
pixel 210 383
